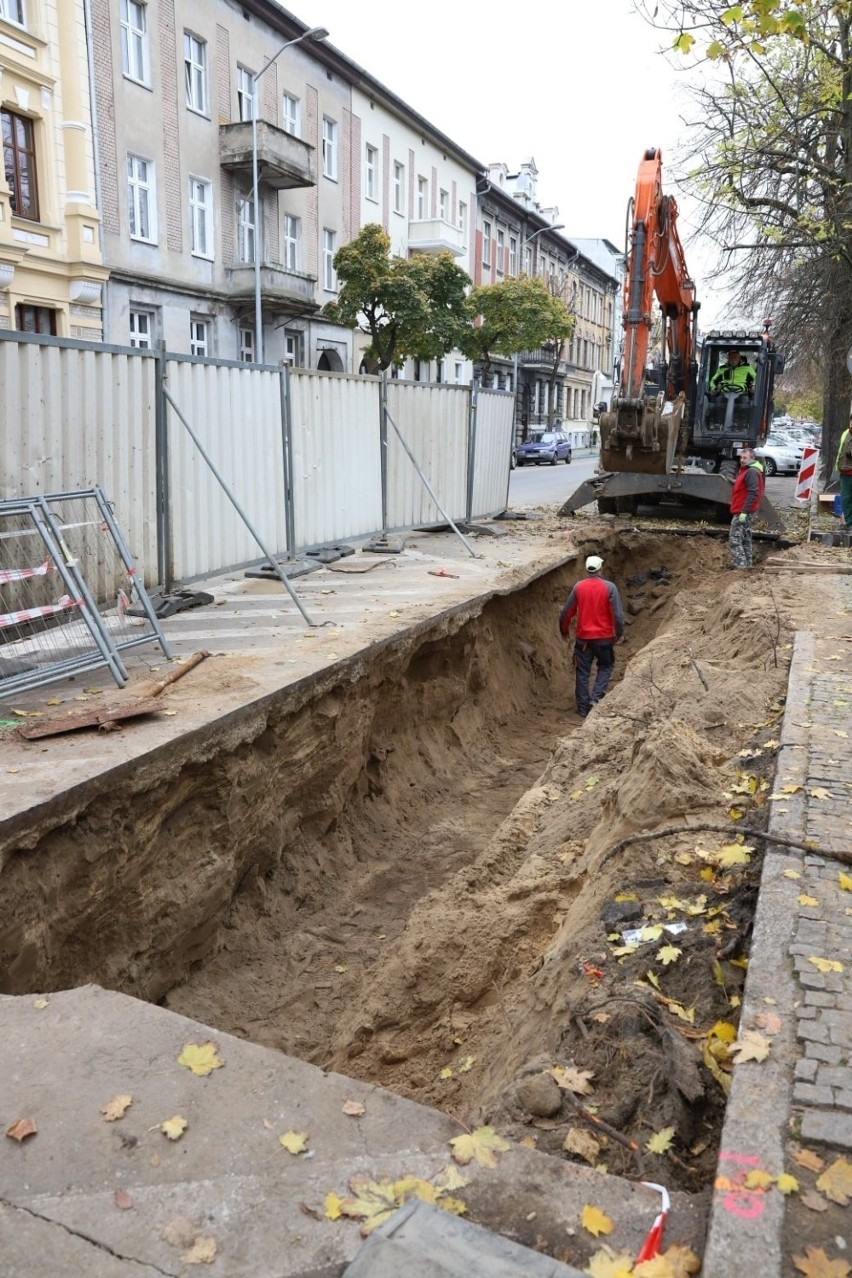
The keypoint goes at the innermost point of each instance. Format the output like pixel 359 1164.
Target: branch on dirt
pixel 697 670
pixel 605 1127
pixel 709 827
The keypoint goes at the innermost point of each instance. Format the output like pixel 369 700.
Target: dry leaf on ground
pixel 353 1108
pixel 122 1199
pixel 595 1221
pixel 787 1184
pixel 294 1142
pixel 816 1264
pixel 202 1252
pixel 752 1046
pixel 606 1264
pixel 179 1232
pixel 844 881
pixel 674 1262
pixel 116 1108
pixel 809 1159
pixel 174 1128
pixel 571 1079
pixel 200 1058
pixel 769 1021
pixel 483 1145
pixel 826 965
pixel 21 1129
pixel 757 1178
pixel 668 954
pixel 580 1142
pixel 814 1202
pixel 836 1182
pixel 660 1141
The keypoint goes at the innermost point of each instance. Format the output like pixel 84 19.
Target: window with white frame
pixel 291 115
pixel 201 217
pixel 14 11
pixel 195 72
pixel 459 371
pixel 294 348
pixel 422 198
pixel 141 199
pixel 246 89
pixel 527 260
pixel 371 172
pixel 398 188
pixel 463 220
pixel 134 40
pixel 486 243
pixel 245 229
pixel 501 251
pixel 329 148
pixel 247 345
pixel 200 330
pixel 513 255
pixel 292 242
pixel 329 248
pixel 141 325
pixel 444 205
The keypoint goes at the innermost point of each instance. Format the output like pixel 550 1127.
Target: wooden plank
pixel 101 718
pixel 842 570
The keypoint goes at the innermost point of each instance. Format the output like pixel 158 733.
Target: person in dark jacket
pixel 746 496
pixel 600 624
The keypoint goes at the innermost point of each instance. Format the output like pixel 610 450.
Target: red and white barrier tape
pixel 23 574
pixel 65 604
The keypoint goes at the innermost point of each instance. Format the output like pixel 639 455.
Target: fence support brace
pixel 276 567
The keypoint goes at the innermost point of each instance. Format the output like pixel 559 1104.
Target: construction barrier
pixel 807 474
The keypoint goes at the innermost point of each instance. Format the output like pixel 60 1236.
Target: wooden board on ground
pixel 101 718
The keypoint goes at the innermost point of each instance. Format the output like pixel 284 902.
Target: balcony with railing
pixel 435 235
pixel 279 288
pixel 541 358
pixel 283 161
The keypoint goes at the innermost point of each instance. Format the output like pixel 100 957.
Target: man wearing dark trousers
pixel 600 625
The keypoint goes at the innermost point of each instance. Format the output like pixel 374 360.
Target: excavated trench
pixel 401 872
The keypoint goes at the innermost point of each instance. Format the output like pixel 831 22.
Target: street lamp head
pixel 315 33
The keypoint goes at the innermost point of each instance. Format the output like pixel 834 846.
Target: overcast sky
pixel 579 85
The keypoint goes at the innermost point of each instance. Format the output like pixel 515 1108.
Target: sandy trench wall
pixel 130 886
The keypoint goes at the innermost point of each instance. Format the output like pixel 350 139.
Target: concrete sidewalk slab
pixel 93 1197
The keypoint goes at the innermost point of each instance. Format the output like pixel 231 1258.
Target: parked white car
pixel 780 456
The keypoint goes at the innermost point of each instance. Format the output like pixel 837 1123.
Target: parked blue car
pixel 550 446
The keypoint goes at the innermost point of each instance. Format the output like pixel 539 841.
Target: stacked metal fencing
pixel 313 458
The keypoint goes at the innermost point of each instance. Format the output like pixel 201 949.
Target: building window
pixel 245 94
pixel 444 206
pixel 195 72
pixel 329 248
pixel 201 217
pixel 134 40
pixel 294 348
pixel 19 163
pixel 371 177
pixel 291 115
pixel 513 255
pixel 141 329
pixel 247 345
pixel 399 188
pixel 35 319
pixel 329 148
pixel 292 238
pixel 527 260
pixel 463 220
pixel 486 243
pixel 14 11
pixel 459 372
pixel 422 198
pixel 200 329
pixel 245 229
pixel 501 251
pixel 141 199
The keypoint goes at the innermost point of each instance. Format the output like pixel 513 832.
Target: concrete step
pixel 420 1241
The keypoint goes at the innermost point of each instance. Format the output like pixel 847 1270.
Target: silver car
pixel 780 456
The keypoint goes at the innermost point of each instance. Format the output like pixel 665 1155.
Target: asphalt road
pixel 531 486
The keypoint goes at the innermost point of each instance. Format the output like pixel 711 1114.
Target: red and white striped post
pixel 807 471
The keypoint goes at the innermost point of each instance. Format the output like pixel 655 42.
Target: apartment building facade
pixel 175 85
pixel 51 268
pixel 517 236
pixel 421 187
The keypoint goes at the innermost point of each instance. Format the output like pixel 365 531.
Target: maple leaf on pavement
pixel 595 1221
pixel 483 1145
pixel 294 1142
pixel 116 1108
pixel 816 1264
pixel 174 1128
pixel 200 1058
pixel 836 1182
pixel 674 1262
pixel 752 1046
pixel 606 1264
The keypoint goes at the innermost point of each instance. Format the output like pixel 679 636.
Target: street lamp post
pixel 515 362
pixel 316 33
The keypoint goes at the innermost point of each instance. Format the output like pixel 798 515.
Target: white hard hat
pixel 594 563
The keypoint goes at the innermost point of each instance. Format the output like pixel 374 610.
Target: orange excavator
pixel 674 430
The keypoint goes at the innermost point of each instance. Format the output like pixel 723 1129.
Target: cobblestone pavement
pixel 802 1092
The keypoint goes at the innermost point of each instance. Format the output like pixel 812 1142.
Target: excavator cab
pixel 728 416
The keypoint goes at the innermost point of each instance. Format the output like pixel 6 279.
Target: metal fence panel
pixel 236 413
pixel 434 422
pixel 75 416
pixel 494 411
pixel 337 490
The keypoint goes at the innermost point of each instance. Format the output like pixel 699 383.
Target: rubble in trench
pixel 454 943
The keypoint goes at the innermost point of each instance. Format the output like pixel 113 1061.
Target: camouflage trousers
pixel 739 542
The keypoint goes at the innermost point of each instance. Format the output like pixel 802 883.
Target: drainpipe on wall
pixel 96 160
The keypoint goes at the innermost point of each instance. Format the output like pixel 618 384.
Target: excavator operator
pixel 737 375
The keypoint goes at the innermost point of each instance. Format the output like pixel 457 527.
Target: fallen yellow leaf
pixel 606 1264
pixel 294 1142
pixel 819 792
pixel 751 1046
pixel 826 965
pixel 596 1222
pixel 787 1184
pixel 200 1058
pixel 804 899
pixel 483 1145
pixel 836 1182
pixel 791 874
pixel 759 1179
pixel 844 881
pixel 816 1264
pixel 202 1252
pixel 174 1128
pixel 668 954
pixel 660 1141
pixel 116 1108
pixel 571 1079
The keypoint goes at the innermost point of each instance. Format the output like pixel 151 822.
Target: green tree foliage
pixel 516 315
pixel 413 306
pixel 772 170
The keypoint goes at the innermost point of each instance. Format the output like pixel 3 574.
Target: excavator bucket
pixel 640 436
pixel 624 492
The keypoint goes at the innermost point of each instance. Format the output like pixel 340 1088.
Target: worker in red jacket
pixel 746 496
pixel 600 624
